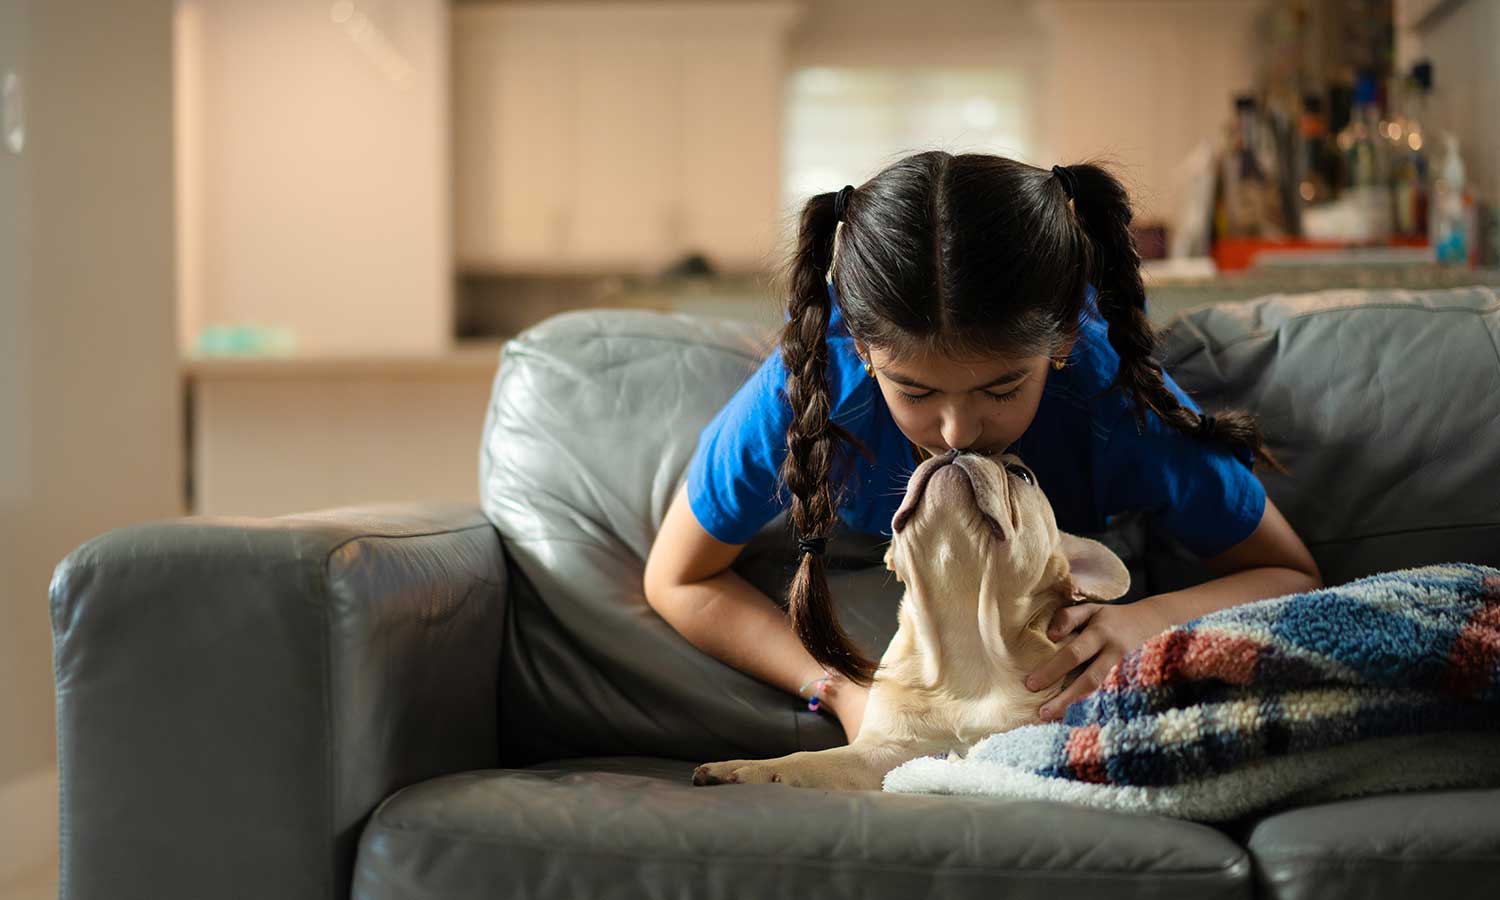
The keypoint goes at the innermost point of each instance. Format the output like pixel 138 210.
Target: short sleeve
pixel 733 476
pixel 1203 493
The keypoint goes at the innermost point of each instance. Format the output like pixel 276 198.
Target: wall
pixel 90 417
pixel 315 185
pixel 1141 81
pixel 1461 38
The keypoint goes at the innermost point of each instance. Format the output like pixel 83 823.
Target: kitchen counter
pixel 465 359
pixel 273 435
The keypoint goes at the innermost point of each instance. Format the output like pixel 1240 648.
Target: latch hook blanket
pixel 1391 682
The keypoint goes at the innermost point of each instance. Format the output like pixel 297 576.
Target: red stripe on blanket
pixel 1176 656
pixel 1161 658
pixel 1476 652
pixel 1085 757
pixel 1221 657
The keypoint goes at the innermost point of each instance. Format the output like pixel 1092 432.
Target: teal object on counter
pixel 245 340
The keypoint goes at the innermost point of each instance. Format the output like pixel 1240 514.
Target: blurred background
pixel 260 256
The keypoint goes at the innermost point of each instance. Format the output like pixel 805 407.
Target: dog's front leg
pixel 861 766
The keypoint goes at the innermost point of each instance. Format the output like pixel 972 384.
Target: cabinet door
pixel 514 97
pixel 628 112
pixel 731 147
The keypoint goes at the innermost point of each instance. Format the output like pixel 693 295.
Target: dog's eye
pixel 1020 473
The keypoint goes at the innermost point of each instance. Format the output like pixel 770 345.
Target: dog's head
pixel 978 528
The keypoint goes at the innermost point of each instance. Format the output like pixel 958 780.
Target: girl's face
pixel 981 406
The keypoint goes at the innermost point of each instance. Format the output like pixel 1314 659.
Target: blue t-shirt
pixel 1091 457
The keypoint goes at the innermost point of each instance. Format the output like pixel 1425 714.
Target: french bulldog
pixel 976 545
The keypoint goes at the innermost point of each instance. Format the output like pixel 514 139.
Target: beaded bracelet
pixel 812 702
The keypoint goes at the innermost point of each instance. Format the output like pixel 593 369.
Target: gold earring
pixel 869 370
pixel 1057 364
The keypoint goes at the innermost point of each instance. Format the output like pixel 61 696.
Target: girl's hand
pixel 1109 631
pixel 846 700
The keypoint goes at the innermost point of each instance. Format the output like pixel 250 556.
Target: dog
pixel 977 547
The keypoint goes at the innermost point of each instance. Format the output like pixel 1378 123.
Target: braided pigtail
pixel 1104 212
pixel 813 442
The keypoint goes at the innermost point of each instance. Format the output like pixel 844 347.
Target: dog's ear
pixel 1094 572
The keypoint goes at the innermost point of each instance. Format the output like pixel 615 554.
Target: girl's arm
pixel 1271 562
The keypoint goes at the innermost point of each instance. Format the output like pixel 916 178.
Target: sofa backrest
pixel 593 418
pixel 1385 406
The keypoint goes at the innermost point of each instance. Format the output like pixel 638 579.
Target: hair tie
pixel 1068 179
pixel 1205 426
pixel 841 202
pixel 811 545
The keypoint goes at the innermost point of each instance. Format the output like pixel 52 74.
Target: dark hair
pixel 964 257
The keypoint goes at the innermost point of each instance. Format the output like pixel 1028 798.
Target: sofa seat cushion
pixel 637 827
pixel 1419 844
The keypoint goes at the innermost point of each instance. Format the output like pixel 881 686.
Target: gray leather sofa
pixel 430 701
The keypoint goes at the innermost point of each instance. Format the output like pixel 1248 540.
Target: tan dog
pixel 985 567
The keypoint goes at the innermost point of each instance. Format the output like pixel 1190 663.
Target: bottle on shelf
pixel 1313 184
pixel 1367 161
pixel 1451 208
pixel 1249 197
pixel 1410 179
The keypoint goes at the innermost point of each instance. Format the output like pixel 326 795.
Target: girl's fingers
pixel 1084 684
pixel 1069 618
pixel 1077 650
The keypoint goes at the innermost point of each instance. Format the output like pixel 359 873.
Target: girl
pixel 976 303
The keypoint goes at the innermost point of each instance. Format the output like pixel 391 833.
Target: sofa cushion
pixel 1385 406
pixel 592 420
pixel 1423 844
pixel 637 827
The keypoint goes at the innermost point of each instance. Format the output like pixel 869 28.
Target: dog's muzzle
pixel 913 499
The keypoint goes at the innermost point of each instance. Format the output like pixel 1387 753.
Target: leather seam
pixel 575 852
pixel 758 356
pixel 477 526
pixel 325 590
pixel 1341 860
pixel 1403 531
pixel 1401 307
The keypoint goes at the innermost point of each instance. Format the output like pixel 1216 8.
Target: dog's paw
pixel 736 771
pixel 808 769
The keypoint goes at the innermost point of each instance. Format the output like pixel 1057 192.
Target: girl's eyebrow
pixel 1006 378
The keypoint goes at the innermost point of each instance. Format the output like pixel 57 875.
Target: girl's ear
pixel 1094 572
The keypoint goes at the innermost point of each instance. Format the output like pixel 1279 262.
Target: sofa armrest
pixel 236 695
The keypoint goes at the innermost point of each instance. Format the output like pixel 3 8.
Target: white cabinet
pixel 515 130
pixel 627 113
pixel 617 137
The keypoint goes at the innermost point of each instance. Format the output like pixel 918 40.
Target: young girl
pixel 975 303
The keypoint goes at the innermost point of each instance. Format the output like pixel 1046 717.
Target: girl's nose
pixel 960 436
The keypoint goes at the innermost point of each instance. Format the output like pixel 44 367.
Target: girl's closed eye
pixel 999 398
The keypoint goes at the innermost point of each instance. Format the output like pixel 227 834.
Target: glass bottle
pixel 1367 160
